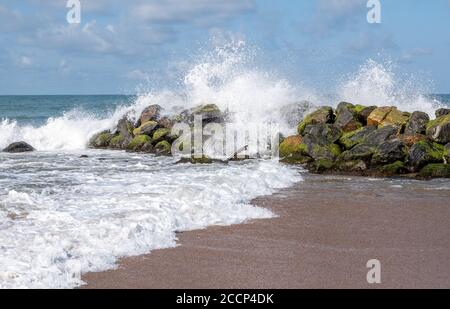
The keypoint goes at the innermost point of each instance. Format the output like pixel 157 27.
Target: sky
pixel 122 46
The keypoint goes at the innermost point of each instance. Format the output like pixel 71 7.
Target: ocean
pixel 62 215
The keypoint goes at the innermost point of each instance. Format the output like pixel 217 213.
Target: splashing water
pixel 377 84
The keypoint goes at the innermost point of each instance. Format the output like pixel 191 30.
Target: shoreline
pixel 327 228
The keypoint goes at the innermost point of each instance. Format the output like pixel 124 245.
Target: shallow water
pixel 61 215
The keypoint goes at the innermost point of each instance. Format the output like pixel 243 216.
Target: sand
pixel 326 230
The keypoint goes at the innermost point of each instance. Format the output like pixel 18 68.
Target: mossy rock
pixel 322 115
pixel 435 171
pixel 397 119
pixel 163 148
pixel 439 129
pixel 322 165
pixel 359 152
pixel 392 169
pixel 425 152
pixel 101 140
pixel 378 115
pixel 351 166
pixel 350 139
pixel 146 128
pixel 117 142
pixel 193 160
pixel 138 142
pixel 160 134
pixel 291 145
pixel 346 117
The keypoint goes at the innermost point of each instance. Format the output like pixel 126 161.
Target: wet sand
pixel 328 228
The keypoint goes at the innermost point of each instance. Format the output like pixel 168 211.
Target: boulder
pixel 439 129
pixel 146 128
pixel 138 143
pixel 329 132
pixel 362 152
pixel 425 152
pixel 163 148
pixel 292 150
pixel 101 140
pixel 150 113
pixel 410 140
pixel 118 142
pixel 125 128
pixel 417 123
pixel 378 115
pixel 364 113
pixel 442 112
pixel 396 119
pixel 160 135
pixel 435 170
pixel 392 169
pixel 351 166
pixel 209 112
pixel 18 147
pixel 346 117
pixel 166 122
pixel 380 135
pixel 389 152
pixel 294 113
pixel 322 115
pixel 350 139
pixel 320 148
pixel 321 165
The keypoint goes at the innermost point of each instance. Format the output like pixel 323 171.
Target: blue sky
pixel 120 45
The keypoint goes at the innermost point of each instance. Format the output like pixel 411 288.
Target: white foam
pixel 78 215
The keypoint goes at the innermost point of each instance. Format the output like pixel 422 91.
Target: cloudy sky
pixel 122 45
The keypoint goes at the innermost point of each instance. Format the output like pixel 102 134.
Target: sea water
pixel 63 214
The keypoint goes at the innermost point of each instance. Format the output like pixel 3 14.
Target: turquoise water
pixel 36 110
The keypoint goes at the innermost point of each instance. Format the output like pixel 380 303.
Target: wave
pixel 226 76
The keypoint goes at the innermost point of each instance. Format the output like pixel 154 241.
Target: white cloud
pixel 26 61
pixel 137 75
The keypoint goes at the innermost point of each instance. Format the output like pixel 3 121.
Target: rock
pixel 210 113
pixel 359 152
pixel 392 169
pixel 396 119
pixel 18 147
pixel 125 128
pixel 389 152
pixel 351 166
pixel 425 152
pixel 101 140
pixel 118 142
pixel 84 156
pixel 439 129
pixel 381 135
pixel 150 113
pixel 350 139
pixel 417 123
pixel 320 148
pixel 327 131
pixel 322 165
pixel 410 140
pixel 364 113
pixel 294 113
pixel 166 122
pixel 435 170
pixel 146 128
pixel 378 115
pixel 160 134
pixel 322 115
pixel 442 112
pixel 163 148
pixel 346 117
pixel 292 150
pixel 138 142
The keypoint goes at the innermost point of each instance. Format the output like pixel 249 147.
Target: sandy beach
pixel 327 229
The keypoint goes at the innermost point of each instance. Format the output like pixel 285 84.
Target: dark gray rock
pixel 423 153
pixel 381 135
pixel 346 118
pixel 417 123
pixel 125 129
pixel 359 152
pixel 150 113
pixel 389 152
pixel 364 114
pixel 18 147
pixel 442 112
pixel 327 131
